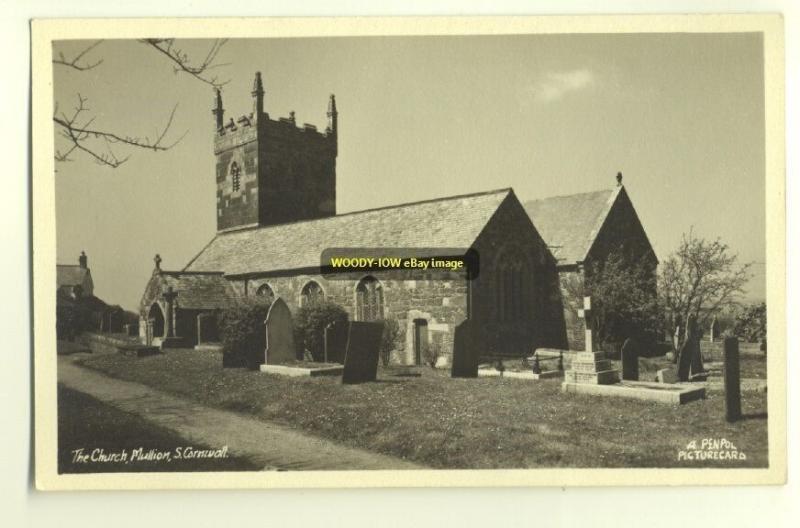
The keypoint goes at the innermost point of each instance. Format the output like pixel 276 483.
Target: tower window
pixel 236 172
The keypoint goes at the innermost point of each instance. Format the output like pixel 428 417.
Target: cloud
pixel 556 85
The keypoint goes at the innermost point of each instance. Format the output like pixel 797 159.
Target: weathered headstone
pixel 713 330
pixel 667 375
pixel 685 359
pixel 336 342
pixel 676 340
pixel 362 353
pixel 466 350
pixel 280 334
pixel 688 357
pixel 630 360
pixel 733 395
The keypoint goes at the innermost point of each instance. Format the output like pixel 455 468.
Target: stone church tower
pixel 272 171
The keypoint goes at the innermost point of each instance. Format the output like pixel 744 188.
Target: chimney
pixel 83 260
pixel 619 179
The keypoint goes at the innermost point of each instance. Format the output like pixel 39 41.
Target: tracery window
pixel 369 300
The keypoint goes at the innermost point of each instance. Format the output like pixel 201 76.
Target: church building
pixel 276 214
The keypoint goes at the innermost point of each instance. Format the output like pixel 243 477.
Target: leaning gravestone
pixel 280 334
pixel 685 358
pixel 466 350
pixel 362 352
pixel 336 342
pixel 630 360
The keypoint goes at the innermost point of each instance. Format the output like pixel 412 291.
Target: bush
pixel 243 334
pixel 391 339
pixel 751 323
pixel 310 324
pixel 71 319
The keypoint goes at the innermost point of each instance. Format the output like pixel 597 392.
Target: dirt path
pixel 271 445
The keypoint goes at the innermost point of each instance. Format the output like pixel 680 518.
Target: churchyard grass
pixel 85 422
pixel 442 422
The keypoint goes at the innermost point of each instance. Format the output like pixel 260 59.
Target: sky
pixel 680 115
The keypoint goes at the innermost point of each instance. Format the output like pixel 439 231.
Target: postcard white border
pixel 44 244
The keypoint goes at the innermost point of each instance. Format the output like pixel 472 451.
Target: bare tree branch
pixel 77 130
pixel 182 62
pixel 75 62
pixel 81 136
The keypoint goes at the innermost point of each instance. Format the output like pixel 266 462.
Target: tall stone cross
pixel 169 297
pixel 585 314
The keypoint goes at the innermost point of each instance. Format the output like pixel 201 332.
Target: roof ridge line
pixel 611 190
pixel 383 208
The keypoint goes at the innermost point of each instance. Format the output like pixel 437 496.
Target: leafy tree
pixel 310 324
pixel 624 300
pixel 701 278
pixel 243 334
pixel 390 339
pixel 751 323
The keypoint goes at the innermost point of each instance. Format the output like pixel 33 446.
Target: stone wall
pixel 441 303
pixel 510 239
pixel 287 173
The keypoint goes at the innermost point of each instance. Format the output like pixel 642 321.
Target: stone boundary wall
pixel 105 343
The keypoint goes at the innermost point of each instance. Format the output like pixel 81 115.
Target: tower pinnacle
pixel 258 96
pixel 218 111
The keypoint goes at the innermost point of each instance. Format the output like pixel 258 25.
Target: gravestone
pixel 667 375
pixel 676 340
pixel 630 360
pixel 207 328
pixel 713 333
pixel 362 353
pixel 280 334
pixel 730 372
pixel 466 351
pixel 688 361
pixel 336 342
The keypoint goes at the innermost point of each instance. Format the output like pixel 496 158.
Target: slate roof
pixel 453 222
pixel 569 224
pixel 199 291
pixel 70 275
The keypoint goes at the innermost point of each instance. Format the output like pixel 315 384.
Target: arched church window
pixel 311 294
pixel 369 300
pixel 264 293
pixel 236 173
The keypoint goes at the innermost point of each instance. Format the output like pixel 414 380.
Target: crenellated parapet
pixel 273 170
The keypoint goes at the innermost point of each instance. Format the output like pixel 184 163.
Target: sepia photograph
pixel 400 253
